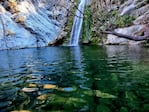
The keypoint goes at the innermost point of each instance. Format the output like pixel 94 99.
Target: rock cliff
pixel 32 23
pixel 139 9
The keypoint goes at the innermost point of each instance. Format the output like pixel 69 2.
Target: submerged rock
pixel 21 111
pixel 49 86
pixel 30 89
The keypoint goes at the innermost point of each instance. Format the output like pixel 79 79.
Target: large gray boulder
pixel 132 31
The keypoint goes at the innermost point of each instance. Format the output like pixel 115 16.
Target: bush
pixel 123 21
pixel 110 20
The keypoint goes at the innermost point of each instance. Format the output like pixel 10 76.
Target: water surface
pixel 75 79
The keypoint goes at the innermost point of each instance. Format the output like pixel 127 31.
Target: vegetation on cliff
pixel 109 15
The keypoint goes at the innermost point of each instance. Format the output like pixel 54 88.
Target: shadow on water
pixel 84 79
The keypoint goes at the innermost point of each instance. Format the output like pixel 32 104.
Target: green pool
pixel 75 79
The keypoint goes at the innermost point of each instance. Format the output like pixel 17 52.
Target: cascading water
pixel 77 24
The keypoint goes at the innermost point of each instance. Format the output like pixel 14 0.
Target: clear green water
pixel 75 79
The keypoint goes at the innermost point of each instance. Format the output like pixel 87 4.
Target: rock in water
pixel 29 89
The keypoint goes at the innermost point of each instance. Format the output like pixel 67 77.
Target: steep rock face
pixel 140 10
pixel 32 23
pixel 14 36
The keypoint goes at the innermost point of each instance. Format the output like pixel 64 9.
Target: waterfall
pixel 77 24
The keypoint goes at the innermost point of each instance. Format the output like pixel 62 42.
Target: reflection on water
pixel 84 79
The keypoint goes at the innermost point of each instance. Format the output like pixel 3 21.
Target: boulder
pixel 132 30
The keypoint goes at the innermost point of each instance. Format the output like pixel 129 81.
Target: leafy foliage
pixel 105 19
pixel 111 20
pixel 122 21
pixel 86 30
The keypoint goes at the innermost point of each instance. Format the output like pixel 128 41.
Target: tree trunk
pixel 130 37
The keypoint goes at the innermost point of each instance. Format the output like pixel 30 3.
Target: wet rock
pixel 21 111
pixel 42 97
pixel 49 86
pixel 33 85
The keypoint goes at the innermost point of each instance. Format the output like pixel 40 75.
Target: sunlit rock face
pixel 12 35
pixel 32 23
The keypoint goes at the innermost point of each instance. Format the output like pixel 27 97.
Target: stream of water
pixel 77 24
pixel 75 79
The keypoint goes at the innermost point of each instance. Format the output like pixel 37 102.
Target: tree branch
pixel 130 37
